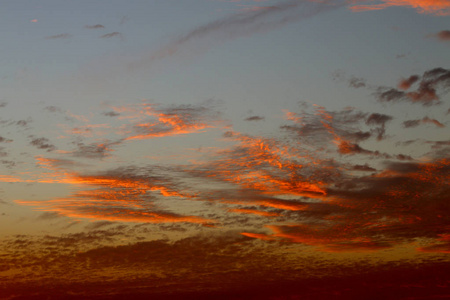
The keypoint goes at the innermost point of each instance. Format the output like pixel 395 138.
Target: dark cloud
pixel 254 118
pixel 59 36
pixel 111 114
pixel 2 152
pixel 99 224
pixel 110 35
pixel 53 109
pixel 390 95
pixel 48 216
pixel 7 163
pixel 415 123
pixel 402 55
pixel 431 85
pixel 439 144
pixel 95 150
pixel 443 35
pixel 97 26
pixel 364 167
pixel 5 140
pixel 411 123
pixel 356 83
pixel 22 123
pixel 3 104
pixel 42 143
pixel 378 119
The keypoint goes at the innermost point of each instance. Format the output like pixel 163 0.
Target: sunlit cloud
pixel 430 85
pixel 437 7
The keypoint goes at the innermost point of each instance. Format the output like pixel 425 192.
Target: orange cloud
pixel 436 7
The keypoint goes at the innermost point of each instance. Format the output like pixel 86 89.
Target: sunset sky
pixel 225 149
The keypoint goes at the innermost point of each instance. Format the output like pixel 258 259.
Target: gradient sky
pixel 207 149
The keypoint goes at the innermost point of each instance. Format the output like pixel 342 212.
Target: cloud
pixel 111 114
pixel 237 25
pixel 405 84
pixel 436 7
pixel 97 26
pixel 415 123
pixel 443 35
pixel 167 121
pixel 123 195
pixel 110 35
pixel 53 109
pixel 356 83
pixel 378 119
pixel 430 85
pixel 59 36
pixel 377 212
pixel 42 143
pixel 5 140
pixel 95 150
pixel 254 118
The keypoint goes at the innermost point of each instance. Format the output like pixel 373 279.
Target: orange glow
pixel 6 178
pixel 438 7
pixel 259 236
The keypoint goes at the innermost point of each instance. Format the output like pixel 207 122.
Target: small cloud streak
pixel 97 26
pixel 111 35
pixel 59 36
pixel 255 118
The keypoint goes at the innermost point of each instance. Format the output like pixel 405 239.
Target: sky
pixel 212 149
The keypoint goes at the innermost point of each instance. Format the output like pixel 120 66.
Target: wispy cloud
pixel 237 25
pixel 59 36
pixel 96 26
pixel 111 35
